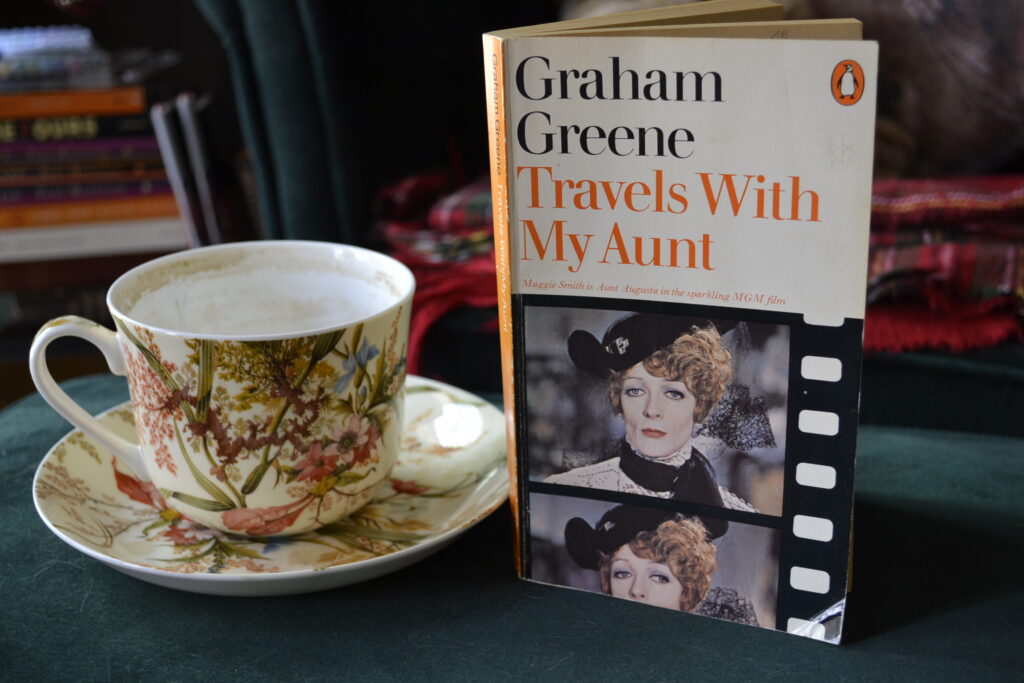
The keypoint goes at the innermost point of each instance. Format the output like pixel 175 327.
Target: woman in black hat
pixel 657 558
pixel 665 373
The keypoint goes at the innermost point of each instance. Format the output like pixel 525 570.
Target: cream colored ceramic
pixel 450 475
pixel 266 380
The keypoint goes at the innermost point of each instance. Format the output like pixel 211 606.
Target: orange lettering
pixel 643 191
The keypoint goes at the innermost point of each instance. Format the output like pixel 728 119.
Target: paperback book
pixel 80 127
pixel 681 207
pixel 120 100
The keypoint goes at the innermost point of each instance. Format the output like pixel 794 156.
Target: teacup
pixel 266 379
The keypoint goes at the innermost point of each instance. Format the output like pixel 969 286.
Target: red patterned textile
pixel 446 240
pixel 946 268
pixel 442 288
pixel 900 203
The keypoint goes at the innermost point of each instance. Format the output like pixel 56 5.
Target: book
pixel 127 99
pixel 96 171
pixel 80 127
pixel 189 109
pixel 681 207
pixel 52 57
pixel 102 149
pixel 42 193
pixel 89 210
pixel 86 239
pixel 165 123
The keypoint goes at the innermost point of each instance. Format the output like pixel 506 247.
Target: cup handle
pixel 106 341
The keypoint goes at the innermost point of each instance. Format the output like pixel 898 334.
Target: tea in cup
pixel 266 379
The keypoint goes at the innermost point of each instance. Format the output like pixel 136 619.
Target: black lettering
pixel 521 79
pixel 521 134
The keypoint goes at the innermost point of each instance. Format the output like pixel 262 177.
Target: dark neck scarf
pixel 693 481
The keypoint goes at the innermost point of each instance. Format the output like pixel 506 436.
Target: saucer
pixel 451 474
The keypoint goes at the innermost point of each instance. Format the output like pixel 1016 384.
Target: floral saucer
pixel 451 474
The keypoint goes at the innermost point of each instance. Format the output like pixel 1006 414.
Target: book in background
pixel 199 184
pixel 81 174
pixel 84 193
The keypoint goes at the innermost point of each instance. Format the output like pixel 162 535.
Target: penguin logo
pixel 847 82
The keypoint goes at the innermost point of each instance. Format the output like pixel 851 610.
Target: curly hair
pixel 696 358
pixel 680 543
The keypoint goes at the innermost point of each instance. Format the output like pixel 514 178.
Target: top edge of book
pixel 712 18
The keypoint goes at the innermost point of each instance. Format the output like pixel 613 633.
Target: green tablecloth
pixel 937 594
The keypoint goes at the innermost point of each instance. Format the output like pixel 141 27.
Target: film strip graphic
pixel 821 442
pixel 814 526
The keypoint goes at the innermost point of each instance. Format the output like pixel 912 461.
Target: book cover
pixel 166 125
pixel 681 228
pixel 189 109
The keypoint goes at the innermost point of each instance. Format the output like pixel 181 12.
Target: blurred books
pixel 180 135
pixel 81 171
pixel 84 191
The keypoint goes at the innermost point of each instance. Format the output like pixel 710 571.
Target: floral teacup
pixel 266 379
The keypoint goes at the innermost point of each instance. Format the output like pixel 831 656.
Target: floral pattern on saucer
pixel 450 475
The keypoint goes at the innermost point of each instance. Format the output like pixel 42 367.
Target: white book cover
pixel 682 239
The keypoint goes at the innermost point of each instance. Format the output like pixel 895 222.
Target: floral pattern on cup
pixel 301 415
pixel 85 493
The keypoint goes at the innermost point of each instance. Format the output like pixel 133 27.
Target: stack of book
pixel 81 173
pixel 84 194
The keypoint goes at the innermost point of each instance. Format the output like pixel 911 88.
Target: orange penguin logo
pixel 847 82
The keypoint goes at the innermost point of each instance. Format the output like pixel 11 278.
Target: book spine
pixel 100 170
pixel 125 174
pixel 187 107
pixel 102 101
pixel 55 213
pixel 163 116
pixel 81 150
pixel 21 245
pixel 494 67
pixel 32 194
pixel 84 127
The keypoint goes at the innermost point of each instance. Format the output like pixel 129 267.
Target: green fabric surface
pixel 339 94
pixel 973 391
pixel 280 55
pixel 296 141
pixel 225 18
pixel 939 544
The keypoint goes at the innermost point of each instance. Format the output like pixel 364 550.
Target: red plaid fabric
pixel 961 202
pixel 465 210
pixel 946 267
pixel 445 237
pixel 424 220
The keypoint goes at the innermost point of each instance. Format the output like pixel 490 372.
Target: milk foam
pixel 257 297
